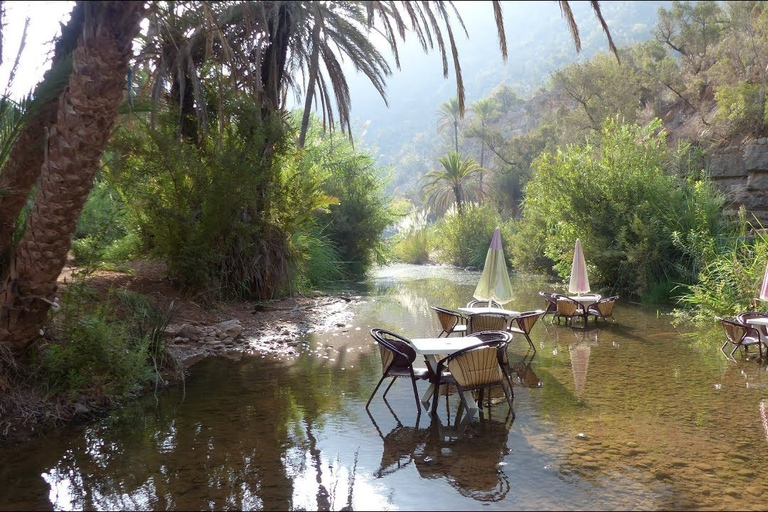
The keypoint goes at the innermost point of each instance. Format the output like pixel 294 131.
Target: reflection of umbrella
pixel 579 280
pixel 764 416
pixel 764 289
pixel 494 282
pixel 579 363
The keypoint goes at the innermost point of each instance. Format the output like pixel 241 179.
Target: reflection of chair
pixel 477 367
pixel 478 322
pixel 397 356
pixel 569 309
pixel 550 302
pixel 399 445
pixel 467 455
pixel 450 321
pixel 740 336
pixel 524 323
pixel 483 304
pixel 603 308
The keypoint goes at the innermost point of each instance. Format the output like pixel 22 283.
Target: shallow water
pixel 634 415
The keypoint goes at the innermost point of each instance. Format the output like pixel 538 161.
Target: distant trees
pixel 457 182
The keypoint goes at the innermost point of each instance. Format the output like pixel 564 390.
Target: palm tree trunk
pixel 20 173
pixel 313 72
pixel 87 110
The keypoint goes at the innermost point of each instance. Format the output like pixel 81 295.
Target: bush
pixel 464 239
pixel 640 225
pixel 94 356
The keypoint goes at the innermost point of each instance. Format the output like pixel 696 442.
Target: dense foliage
pixel 639 223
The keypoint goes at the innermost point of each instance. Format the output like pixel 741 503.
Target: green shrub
pixel 94 356
pixel 641 226
pixel 741 108
pixel 463 240
pixel 413 246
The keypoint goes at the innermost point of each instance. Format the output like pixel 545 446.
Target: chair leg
pixel 416 395
pixel 375 390
pixel 722 349
pixel 530 342
pixel 390 385
pixel 435 398
pixel 509 395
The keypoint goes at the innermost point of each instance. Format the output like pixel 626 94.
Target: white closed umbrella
pixel 494 281
pixel 579 280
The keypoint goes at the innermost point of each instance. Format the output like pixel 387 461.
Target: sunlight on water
pixel 637 414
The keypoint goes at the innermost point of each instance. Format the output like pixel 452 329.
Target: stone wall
pixel 742 173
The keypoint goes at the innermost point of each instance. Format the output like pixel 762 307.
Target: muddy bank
pixel 273 327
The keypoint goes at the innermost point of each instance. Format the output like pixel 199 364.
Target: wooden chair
pixel 478 322
pixel 550 303
pixel 524 323
pixel 397 357
pixel 603 308
pixel 740 335
pixel 450 321
pixel 477 367
pixel 569 309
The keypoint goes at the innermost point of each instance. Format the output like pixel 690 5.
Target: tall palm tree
pixel 455 183
pixel 65 136
pixel 483 110
pixel 450 117
pixel 87 109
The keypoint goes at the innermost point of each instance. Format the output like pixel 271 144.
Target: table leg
pixel 431 390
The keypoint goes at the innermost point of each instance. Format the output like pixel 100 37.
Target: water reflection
pixel 656 433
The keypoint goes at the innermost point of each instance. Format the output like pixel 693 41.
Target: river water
pixel 637 414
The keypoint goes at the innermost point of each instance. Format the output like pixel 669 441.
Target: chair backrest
pixel 486 322
pixel 735 331
pixel 478 365
pixel 448 319
pixel 396 351
pixel 483 304
pixel 605 305
pixel 527 320
pixel 550 302
pixel 566 306
pixel 742 317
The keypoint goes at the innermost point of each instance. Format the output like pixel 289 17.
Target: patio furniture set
pixel 476 359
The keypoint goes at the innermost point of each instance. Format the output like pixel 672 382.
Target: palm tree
pixel 450 117
pixel 87 109
pixel 453 184
pixel 482 110
pixel 67 131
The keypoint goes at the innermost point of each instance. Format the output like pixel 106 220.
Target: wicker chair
pixel 603 308
pixel 569 309
pixel 741 336
pixel 550 302
pixel 397 357
pixel 477 367
pixel 450 321
pixel 524 323
pixel 743 317
pixel 484 304
pixel 478 322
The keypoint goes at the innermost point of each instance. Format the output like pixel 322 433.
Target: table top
pixel 434 346
pixel 472 311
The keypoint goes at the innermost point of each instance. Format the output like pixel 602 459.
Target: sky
pixel 35 59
